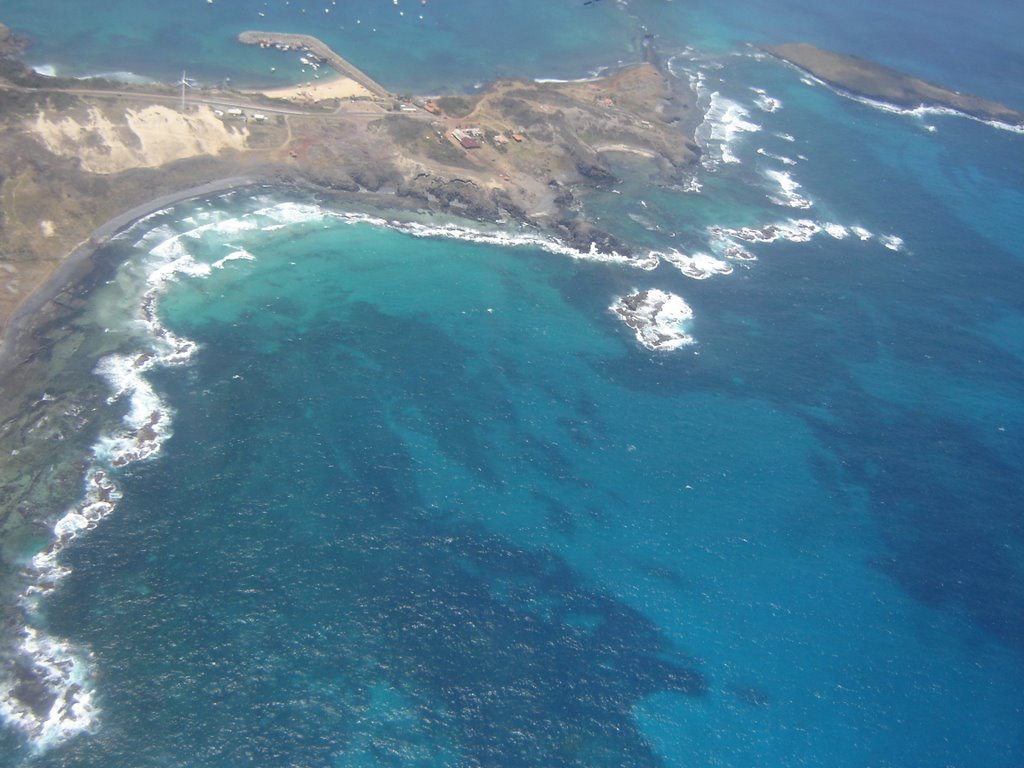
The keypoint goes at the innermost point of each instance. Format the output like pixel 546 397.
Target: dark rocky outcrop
pixel 860 77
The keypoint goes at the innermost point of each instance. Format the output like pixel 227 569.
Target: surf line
pixel 47 689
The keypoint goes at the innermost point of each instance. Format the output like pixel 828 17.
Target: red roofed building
pixel 466 138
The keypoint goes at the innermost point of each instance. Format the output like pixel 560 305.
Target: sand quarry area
pixel 144 138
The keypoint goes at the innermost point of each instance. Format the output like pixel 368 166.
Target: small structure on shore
pixel 469 138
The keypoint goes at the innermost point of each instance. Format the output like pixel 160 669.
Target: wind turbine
pixel 183 83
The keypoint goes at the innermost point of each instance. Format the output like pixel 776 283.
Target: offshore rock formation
pixel 867 79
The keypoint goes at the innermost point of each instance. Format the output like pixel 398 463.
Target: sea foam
pixel 920 112
pixel 659 319
pixel 787 194
pixel 764 102
pixel 724 122
pixel 698 266
pixel 47 692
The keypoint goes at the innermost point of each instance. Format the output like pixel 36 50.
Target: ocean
pixel 363 488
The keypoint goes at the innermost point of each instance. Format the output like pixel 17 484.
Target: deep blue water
pixel 427 501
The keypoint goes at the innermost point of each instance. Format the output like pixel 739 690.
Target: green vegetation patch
pixel 457 106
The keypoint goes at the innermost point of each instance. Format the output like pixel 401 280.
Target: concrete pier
pixel 319 49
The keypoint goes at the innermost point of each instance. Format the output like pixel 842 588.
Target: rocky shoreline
pixel 12 45
pixel 74 172
pixel 869 80
pixel 71 164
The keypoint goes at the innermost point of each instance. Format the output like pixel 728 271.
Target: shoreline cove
pixel 49 663
pixel 660 322
pixel 75 266
pixel 628 419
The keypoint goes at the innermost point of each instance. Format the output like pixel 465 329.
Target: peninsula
pixel 860 77
pixel 76 154
pixel 80 160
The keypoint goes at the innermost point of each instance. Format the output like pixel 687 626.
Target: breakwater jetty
pixel 318 48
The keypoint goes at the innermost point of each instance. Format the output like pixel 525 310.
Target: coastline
pixel 53 428
pixel 66 215
pixel 74 267
pixel 325 89
pixel 520 192
pixel 883 86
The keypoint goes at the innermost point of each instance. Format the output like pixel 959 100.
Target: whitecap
pixel 697 266
pixel 724 122
pixel 788 194
pixel 240 254
pixel 764 102
pixel 659 319
pixel 772 156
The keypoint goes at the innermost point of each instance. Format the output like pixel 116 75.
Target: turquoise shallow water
pixel 426 501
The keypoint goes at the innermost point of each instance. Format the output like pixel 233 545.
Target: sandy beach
pixel 320 90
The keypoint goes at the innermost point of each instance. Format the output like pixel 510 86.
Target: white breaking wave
pixel 725 121
pixel 65 673
pixel 892 242
pixel 50 70
pixel 838 231
pixel 919 112
pixel 772 156
pixel 659 319
pixel 924 111
pixel 237 255
pixel 698 266
pixel 764 102
pixel 60 672
pixel 794 231
pixel 787 194
pixel 295 213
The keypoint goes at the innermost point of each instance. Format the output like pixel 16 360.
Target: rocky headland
pixel 80 160
pixel 76 154
pixel 11 45
pixel 867 79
